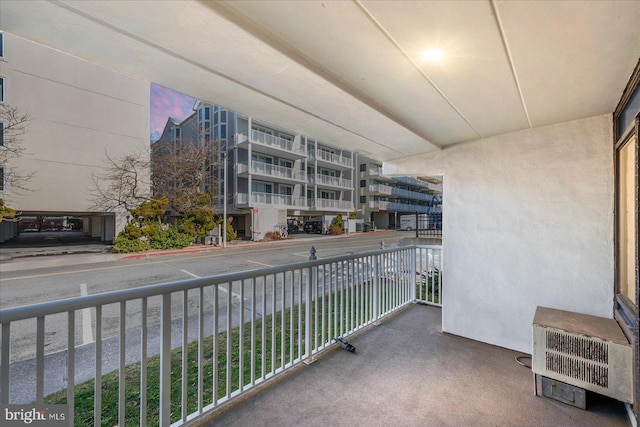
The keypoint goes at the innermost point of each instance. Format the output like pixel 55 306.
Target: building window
pixel 2 94
pixel 627 227
pixel 261 187
pixel 363 167
pixel 626 124
pixel 363 183
pixel 1 134
pixel 2 183
pixel 328 195
pixel 285 190
pixel 1 45
pixel 207 113
pixel 363 199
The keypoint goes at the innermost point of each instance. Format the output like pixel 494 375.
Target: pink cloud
pixel 165 103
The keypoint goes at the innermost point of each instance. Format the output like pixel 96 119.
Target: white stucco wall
pixel 527 221
pixel 79 111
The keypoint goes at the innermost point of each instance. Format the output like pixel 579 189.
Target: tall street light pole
pixel 224 202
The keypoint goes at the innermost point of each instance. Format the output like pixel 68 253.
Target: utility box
pixel 584 351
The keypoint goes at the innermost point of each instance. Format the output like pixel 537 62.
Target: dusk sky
pixel 167 103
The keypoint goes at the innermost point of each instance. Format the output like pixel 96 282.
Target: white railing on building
pixel 333 181
pixel 400 207
pixel 276 142
pixel 343 205
pixel 275 171
pixel 336 159
pixel 414 181
pixel 401 192
pixel 242 328
pixel 277 199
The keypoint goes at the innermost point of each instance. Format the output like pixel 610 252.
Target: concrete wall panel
pixel 527 221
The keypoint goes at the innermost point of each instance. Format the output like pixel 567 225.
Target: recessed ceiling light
pixel 433 54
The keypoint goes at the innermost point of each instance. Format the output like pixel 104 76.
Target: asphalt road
pixel 46 284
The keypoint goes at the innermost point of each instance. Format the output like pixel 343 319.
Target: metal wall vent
pixel 585 351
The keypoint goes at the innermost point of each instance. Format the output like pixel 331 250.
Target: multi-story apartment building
pixel 273 174
pixel 382 199
pixel 80 113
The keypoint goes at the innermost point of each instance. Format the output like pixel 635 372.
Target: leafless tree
pixel 14 125
pixel 124 183
pixel 183 172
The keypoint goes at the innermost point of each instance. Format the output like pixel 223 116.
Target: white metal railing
pixel 403 207
pixel 429 274
pixel 344 205
pixel 276 142
pixel 386 189
pixel 330 180
pixel 268 169
pixel 208 339
pixel 336 159
pixel 277 199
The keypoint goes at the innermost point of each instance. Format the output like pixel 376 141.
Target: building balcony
pixel 332 159
pixel 400 192
pixel 331 205
pixel 377 172
pixel 382 205
pixel 244 200
pixel 275 145
pixel 275 173
pixel 243 330
pixel 406 372
pixel 330 181
pixel 418 183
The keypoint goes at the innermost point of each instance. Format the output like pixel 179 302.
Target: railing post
pixel 311 285
pixel 413 273
pixel 376 288
pixel 165 361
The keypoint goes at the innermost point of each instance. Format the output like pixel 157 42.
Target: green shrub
pixel 231 233
pixel 169 238
pixel 122 244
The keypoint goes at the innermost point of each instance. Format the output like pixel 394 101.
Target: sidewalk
pixel 45 250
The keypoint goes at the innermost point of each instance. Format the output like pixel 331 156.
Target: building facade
pixel 80 113
pixel 382 199
pixel 274 176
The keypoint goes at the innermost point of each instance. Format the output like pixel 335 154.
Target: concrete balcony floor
pixel 406 372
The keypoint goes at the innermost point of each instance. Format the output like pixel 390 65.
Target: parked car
pixel 314 226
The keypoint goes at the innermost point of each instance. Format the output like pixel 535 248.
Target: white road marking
pixel 259 263
pixel 222 288
pixel 190 274
pixel 87 333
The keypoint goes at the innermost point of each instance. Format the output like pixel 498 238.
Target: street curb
pixel 202 249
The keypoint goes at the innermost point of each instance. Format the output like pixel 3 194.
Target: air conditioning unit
pixel 584 351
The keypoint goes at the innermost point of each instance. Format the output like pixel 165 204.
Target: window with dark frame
pixel 626 127
pixel 363 183
pixel 363 167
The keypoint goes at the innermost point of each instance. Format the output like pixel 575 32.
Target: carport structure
pixel 529 111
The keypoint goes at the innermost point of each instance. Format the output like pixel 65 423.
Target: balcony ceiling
pixel 352 73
